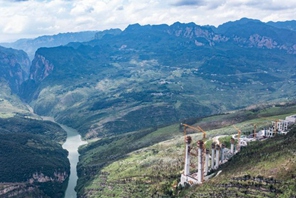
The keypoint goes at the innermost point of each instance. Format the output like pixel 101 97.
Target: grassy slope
pixel 101 153
pixel 153 170
pixel 10 104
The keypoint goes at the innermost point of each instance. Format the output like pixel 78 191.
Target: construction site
pixel 207 161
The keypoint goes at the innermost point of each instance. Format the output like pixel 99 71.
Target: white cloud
pixel 19 18
pixel 15 24
pixel 81 7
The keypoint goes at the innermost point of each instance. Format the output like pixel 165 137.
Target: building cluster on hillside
pixel 210 161
pixel 278 127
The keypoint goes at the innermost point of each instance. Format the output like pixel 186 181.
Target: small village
pixel 208 161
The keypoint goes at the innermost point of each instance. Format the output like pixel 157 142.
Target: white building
pixel 280 126
pixel 291 119
pixel 266 132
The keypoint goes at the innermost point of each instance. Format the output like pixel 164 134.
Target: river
pixel 72 143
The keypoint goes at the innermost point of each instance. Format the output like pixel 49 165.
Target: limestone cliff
pixel 14 67
pixel 40 177
pixel 40 68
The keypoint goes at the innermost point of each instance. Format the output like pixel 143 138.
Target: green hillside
pixel 149 163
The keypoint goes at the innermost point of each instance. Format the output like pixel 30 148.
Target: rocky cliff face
pixel 14 67
pixel 243 33
pixel 19 190
pixel 254 33
pixel 40 68
pixel 32 188
pixel 44 169
pixel 201 35
pixel 40 177
pixel 260 41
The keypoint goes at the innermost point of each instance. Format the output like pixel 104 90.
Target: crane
pixel 238 137
pixel 198 128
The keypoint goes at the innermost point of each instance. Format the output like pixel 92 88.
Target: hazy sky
pixel 32 18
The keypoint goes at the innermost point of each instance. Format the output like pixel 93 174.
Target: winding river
pixel 72 143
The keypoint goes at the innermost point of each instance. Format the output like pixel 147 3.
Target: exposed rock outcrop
pixel 40 68
pixel 14 67
pixel 19 190
pixel 41 177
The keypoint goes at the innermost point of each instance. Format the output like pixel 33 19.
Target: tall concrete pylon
pixel 207 161
pixel 217 156
pixel 232 145
pixel 222 153
pixel 200 168
pixel 213 156
pixel 188 140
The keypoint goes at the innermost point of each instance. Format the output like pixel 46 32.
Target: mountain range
pixel 31 45
pixel 154 75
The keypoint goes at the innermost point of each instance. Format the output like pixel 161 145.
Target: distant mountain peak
pixel 183 24
pixel 245 20
pixel 133 27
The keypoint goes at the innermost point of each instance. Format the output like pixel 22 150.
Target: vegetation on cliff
pixel 14 66
pixel 31 156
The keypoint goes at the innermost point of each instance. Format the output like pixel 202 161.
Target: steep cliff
pixel 40 68
pixel 32 162
pixel 254 33
pixel 14 67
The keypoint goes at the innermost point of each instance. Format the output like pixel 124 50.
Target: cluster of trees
pixel 30 146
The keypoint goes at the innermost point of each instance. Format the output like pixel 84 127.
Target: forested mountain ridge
pixel 290 25
pixel 154 75
pixel 31 45
pixel 254 33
